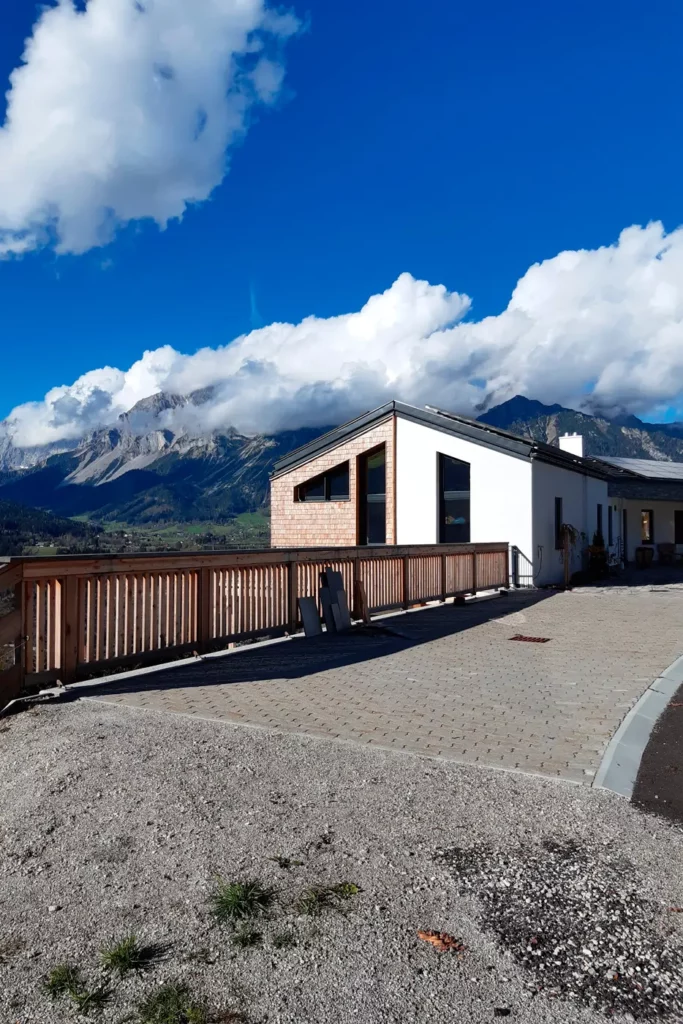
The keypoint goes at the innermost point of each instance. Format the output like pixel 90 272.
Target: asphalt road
pixel 659 785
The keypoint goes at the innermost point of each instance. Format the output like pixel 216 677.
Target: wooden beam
pixel 10 575
pixel 70 628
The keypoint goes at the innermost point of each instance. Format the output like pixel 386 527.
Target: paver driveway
pixel 454 684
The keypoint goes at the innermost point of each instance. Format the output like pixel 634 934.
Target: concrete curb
pixel 619 767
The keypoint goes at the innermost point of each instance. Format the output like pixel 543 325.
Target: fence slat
pixel 117 608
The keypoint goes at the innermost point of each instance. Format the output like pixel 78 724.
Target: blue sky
pixel 459 142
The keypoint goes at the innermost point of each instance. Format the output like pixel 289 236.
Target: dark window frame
pixel 651 514
pixel 364 498
pixel 599 524
pixel 300 489
pixel 559 516
pixel 441 495
pixel 610 525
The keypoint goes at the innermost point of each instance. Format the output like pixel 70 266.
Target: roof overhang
pixel 448 423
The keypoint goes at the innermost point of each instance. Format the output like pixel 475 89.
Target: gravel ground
pixel 115 821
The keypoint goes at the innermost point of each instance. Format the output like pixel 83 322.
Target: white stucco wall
pixel 500 485
pixel 580 497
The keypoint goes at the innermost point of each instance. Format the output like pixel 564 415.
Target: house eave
pixel 448 423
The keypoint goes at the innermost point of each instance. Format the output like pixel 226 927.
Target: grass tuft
pixel 284 940
pixel 91 1001
pixel 239 901
pixel 128 955
pixel 66 980
pixel 318 898
pixel 172 1004
pixel 61 980
pixel 246 938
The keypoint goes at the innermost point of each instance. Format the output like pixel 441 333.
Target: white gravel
pixel 115 821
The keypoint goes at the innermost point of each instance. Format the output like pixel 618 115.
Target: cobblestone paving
pixel 454 685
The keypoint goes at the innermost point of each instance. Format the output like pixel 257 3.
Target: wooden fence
pixel 78 616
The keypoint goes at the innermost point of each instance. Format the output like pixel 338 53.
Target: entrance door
pixel 624 536
pixel 372 497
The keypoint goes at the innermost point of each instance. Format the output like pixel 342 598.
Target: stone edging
pixel 619 766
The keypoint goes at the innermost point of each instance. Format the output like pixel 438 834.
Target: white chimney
pixel 572 443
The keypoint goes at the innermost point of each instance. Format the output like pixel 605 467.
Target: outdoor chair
pixel 666 553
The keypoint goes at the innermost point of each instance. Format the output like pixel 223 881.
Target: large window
pixel 454 501
pixel 330 486
pixel 558 524
pixel 372 497
pixel 647 526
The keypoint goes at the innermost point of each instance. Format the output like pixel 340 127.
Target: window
pixel 330 486
pixel 372 497
pixel 558 524
pixel 678 526
pixel 647 526
pixel 599 532
pixel 454 501
pixel 610 525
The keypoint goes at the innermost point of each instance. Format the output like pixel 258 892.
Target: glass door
pixel 372 497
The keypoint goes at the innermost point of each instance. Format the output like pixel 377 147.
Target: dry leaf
pixel 442 941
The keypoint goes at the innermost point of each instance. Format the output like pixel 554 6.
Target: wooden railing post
pixel 69 625
pixel 293 595
pixel 204 609
pixel 474 571
pixel 12 630
pixel 356 610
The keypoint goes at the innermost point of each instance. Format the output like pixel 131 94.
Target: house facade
pixel 406 475
pixel 646 502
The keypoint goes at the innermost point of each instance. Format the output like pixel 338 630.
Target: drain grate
pixel 531 639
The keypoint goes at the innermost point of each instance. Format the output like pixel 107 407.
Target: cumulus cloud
pixel 124 111
pixel 598 329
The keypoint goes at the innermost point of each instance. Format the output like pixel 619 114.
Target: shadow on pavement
pixel 301 656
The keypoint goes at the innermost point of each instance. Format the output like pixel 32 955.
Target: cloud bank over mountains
pixel 599 329
pixel 125 110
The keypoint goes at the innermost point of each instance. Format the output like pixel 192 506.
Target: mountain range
pixel 155 465
pixel 623 436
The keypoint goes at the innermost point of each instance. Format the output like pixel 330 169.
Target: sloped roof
pixel 449 423
pixel 649 469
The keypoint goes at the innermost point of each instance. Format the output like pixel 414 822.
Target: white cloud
pixel 611 318
pixel 125 110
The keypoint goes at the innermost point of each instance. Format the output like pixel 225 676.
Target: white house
pixel 645 508
pixel 406 475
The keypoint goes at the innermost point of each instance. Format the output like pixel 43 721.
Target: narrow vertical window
pixel 558 524
pixel 601 535
pixel 610 525
pixel 454 501
pixel 372 497
pixel 647 526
